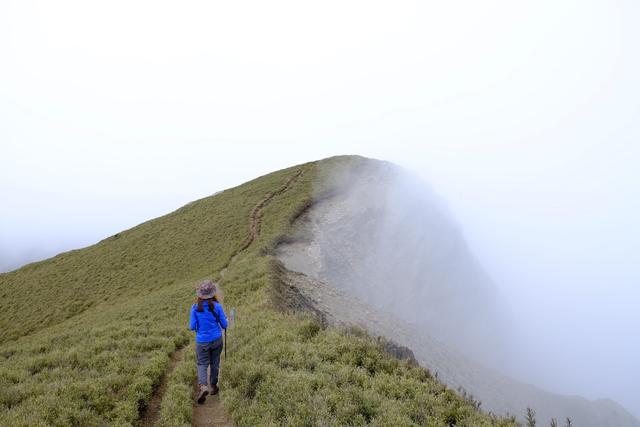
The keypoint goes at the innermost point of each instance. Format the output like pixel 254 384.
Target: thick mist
pixel 565 326
pixel 555 226
pixel 397 247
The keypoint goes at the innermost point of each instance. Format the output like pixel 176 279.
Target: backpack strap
pixel 215 314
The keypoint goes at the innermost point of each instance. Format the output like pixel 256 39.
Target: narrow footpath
pixel 211 412
pixel 152 412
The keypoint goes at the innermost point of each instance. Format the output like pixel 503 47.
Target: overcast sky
pixel 524 116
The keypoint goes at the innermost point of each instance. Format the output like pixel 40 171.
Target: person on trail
pixel 208 320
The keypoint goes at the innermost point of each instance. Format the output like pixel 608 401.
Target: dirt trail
pixel 152 412
pixel 211 412
pixel 255 217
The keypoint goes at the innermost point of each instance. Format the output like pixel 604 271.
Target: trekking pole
pixel 231 325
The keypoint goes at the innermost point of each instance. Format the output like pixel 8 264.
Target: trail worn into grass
pixel 211 412
pixel 152 413
pixel 255 217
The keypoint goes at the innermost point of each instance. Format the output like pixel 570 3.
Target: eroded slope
pixel 376 250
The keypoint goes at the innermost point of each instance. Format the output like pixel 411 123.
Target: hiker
pixel 208 320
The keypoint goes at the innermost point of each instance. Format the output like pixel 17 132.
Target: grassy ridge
pixel 85 336
pixel 89 349
pixel 98 367
pixel 285 369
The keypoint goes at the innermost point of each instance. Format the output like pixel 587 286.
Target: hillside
pixel 87 336
pixel 378 250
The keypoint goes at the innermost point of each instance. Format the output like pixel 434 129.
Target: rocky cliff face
pixel 377 249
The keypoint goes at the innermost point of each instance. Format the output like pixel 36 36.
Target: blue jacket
pixel 205 323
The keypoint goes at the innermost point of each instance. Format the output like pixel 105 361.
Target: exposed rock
pixel 353 244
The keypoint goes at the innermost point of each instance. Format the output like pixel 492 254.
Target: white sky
pixel 523 115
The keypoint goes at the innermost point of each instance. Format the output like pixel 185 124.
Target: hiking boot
pixel 202 393
pixel 214 389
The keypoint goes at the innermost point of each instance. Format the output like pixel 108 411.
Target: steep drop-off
pixel 377 249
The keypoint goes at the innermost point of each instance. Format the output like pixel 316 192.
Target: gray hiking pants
pixel 208 354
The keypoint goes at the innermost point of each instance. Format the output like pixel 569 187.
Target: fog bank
pixel 556 228
pixel 378 249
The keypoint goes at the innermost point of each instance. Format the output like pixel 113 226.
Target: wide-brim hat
pixel 206 289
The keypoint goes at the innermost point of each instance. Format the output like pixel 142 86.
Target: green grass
pixel 86 335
